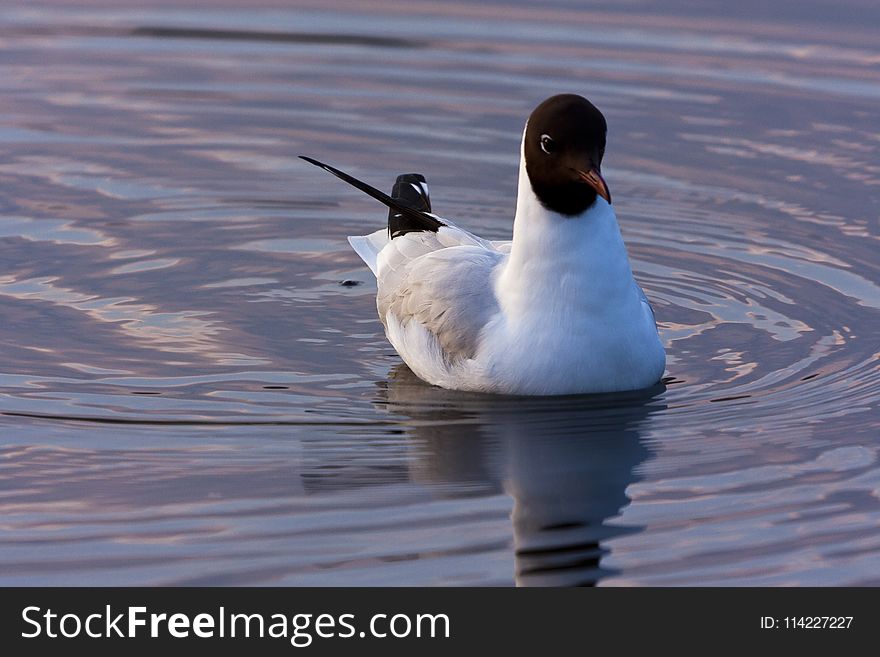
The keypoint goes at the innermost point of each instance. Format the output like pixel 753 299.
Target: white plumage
pixel 555 311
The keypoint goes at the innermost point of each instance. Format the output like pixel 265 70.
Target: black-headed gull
pixel 554 311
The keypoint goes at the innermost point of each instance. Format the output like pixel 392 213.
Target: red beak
pixel 595 180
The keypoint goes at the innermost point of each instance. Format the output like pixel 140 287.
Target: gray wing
pixel 448 290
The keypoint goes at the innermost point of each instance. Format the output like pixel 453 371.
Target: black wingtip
pixel 320 164
pixel 420 220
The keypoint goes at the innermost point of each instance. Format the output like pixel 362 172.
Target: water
pixel 189 396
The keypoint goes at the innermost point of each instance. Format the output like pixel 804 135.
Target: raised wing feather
pixel 429 271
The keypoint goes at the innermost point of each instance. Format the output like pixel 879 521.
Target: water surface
pixel 189 396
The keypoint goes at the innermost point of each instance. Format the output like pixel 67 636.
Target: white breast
pixel 572 318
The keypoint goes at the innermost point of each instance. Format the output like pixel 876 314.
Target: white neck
pixel 574 262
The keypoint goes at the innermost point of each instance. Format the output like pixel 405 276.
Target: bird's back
pixel 434 289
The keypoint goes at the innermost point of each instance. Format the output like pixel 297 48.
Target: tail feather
pixel 368 247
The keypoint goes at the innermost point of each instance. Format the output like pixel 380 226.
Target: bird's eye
pixel 547 144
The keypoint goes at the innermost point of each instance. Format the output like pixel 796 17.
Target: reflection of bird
pixel 566 462
pixel 555 311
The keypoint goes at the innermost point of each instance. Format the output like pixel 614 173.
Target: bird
pixel 553 311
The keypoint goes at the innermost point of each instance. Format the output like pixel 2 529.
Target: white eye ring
pixel 547 144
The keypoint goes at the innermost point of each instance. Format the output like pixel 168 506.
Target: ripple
pixel 275 37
